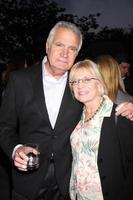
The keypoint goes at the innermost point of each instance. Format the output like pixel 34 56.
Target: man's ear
pixel 46 47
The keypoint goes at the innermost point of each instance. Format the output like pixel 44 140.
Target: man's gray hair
pixel 69 26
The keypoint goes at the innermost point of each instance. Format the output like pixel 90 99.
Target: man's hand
pixel 125 109
pixel 20 157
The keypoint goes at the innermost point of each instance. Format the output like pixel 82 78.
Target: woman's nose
pixel 80 83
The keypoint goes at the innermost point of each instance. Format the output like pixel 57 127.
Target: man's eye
pixel 73 49
pixel 58 44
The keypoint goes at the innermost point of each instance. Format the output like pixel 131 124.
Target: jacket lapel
pixel 37 84
pixel 107 137
pixel 64 107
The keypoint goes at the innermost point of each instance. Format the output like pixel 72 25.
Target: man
pixel 125 72
pixel 38 108
pixel 125 66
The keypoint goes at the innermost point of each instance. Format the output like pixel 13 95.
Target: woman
pixel 110 71
pixel 102 150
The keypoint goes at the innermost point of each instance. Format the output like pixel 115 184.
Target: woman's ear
pixel 100 89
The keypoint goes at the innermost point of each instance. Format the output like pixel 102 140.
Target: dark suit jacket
pixel 24 118
pixel 115 158
pixel 128 83
pixel 5 177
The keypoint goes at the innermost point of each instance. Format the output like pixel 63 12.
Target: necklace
pixel 99 107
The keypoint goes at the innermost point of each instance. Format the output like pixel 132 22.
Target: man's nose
pixel 64 52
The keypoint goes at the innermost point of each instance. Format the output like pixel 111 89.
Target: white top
pixel 53 92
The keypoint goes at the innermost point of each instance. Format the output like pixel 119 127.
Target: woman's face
pixel 86 87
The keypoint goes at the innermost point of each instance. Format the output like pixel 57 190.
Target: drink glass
pixel 33 160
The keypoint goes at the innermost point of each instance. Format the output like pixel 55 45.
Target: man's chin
pixel 63 67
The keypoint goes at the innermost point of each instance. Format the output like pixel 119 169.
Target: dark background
pixel 113 13
pixel 24 26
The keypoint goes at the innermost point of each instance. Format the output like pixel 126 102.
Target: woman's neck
pixel 92 106
pixel 92 109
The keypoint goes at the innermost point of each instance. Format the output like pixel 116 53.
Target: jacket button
pixel 54 136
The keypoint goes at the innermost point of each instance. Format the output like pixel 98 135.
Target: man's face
pixel 124 68
pixel 62 51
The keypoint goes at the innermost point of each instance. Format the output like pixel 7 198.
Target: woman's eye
pixel 87 80
pixel 75 82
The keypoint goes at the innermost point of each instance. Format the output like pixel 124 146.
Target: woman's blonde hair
pixel 110 71
pixel 92 69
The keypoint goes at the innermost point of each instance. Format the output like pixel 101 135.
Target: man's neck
pixel 56 73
